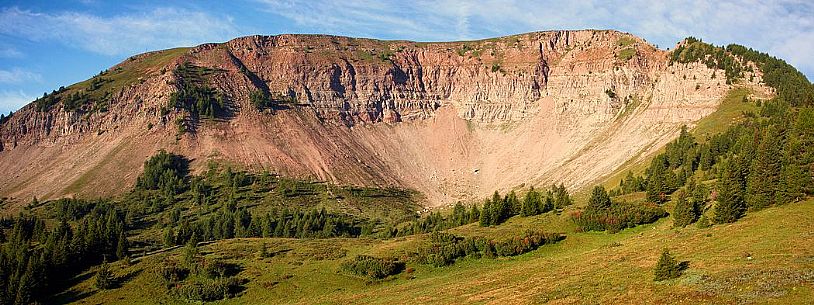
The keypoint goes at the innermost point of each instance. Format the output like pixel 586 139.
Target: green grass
pixel 625 41
pixel 131 71
pixel 626 54
pixel 729 112
pixel 584 268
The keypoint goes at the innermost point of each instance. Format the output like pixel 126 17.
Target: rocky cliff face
pixel 453 120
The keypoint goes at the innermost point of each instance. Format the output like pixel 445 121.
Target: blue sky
pixel 46 44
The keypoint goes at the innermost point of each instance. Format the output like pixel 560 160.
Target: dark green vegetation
pixel 377 268
pixel 752 165
pixel 4 118
pixel 667 267
pixel 444 248
pixel 37 256
pixel 194 96
pixel 497 210
pixel 199 279
pixel 602 213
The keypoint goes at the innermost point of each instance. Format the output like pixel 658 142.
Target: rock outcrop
pixel 453 120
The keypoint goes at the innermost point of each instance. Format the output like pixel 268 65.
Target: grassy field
pixel 767 257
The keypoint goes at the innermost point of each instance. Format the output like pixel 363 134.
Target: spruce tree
pixel 530 204
pixel 684 212
pixel 730 206
pixel 474 214
pixel 104 278
pixel 486 214
pixel 599 199
pixel 26 285
pixel 122 246
pixel 667 267
pixel 561 197
pixel 658 179
pixel 793 179
pixel 765 171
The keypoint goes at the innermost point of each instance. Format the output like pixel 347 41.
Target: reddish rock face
pixel 453 120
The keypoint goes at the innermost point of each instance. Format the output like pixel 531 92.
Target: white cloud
pixel 13 100
pixel 121 34
pixel 10 52
pixel 783 27
pixel 18 75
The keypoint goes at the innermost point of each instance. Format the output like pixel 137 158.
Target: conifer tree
pixel 122 246
pixel 684 212
pixel 104 278
pixel 793 179
pixel 486 214
pixel 658 179
pixel 765 171
pixel 561 197
pixel 474 214
pixel 26 285
pixel 667 267
pixel 599 199
pixel 530 205
pixel 730 206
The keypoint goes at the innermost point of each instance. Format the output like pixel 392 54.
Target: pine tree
pixel 599 199
pixel 530 204
pixel 667 267
pixel 474 214
pixel 765 171
pixel 561 197
pixel 793 180
pixel 684 212
pixel 730 206
pixel 658 179
pixel 104 278
pixel 486 214
pixel 122 246
pixel 26 285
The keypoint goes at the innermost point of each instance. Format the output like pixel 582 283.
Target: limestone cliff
pixel 453 120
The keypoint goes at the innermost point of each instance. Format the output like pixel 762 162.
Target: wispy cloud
pixel 12 100
pixel 782 27
pixel 17 75
pixel 10 52
pixel 121 34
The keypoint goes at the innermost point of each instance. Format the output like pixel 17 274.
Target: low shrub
pixel 373 267
pixel 618 216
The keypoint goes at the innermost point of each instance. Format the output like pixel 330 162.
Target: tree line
pixel 34 258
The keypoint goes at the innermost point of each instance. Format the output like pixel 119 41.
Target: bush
pixel 373 267
pixel 207 290
pixel 260 99
pixel 445 248
pixel 525 243
pixel 164 171
pixel 618 216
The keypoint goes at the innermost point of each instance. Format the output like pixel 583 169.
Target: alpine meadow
pixel 562 166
